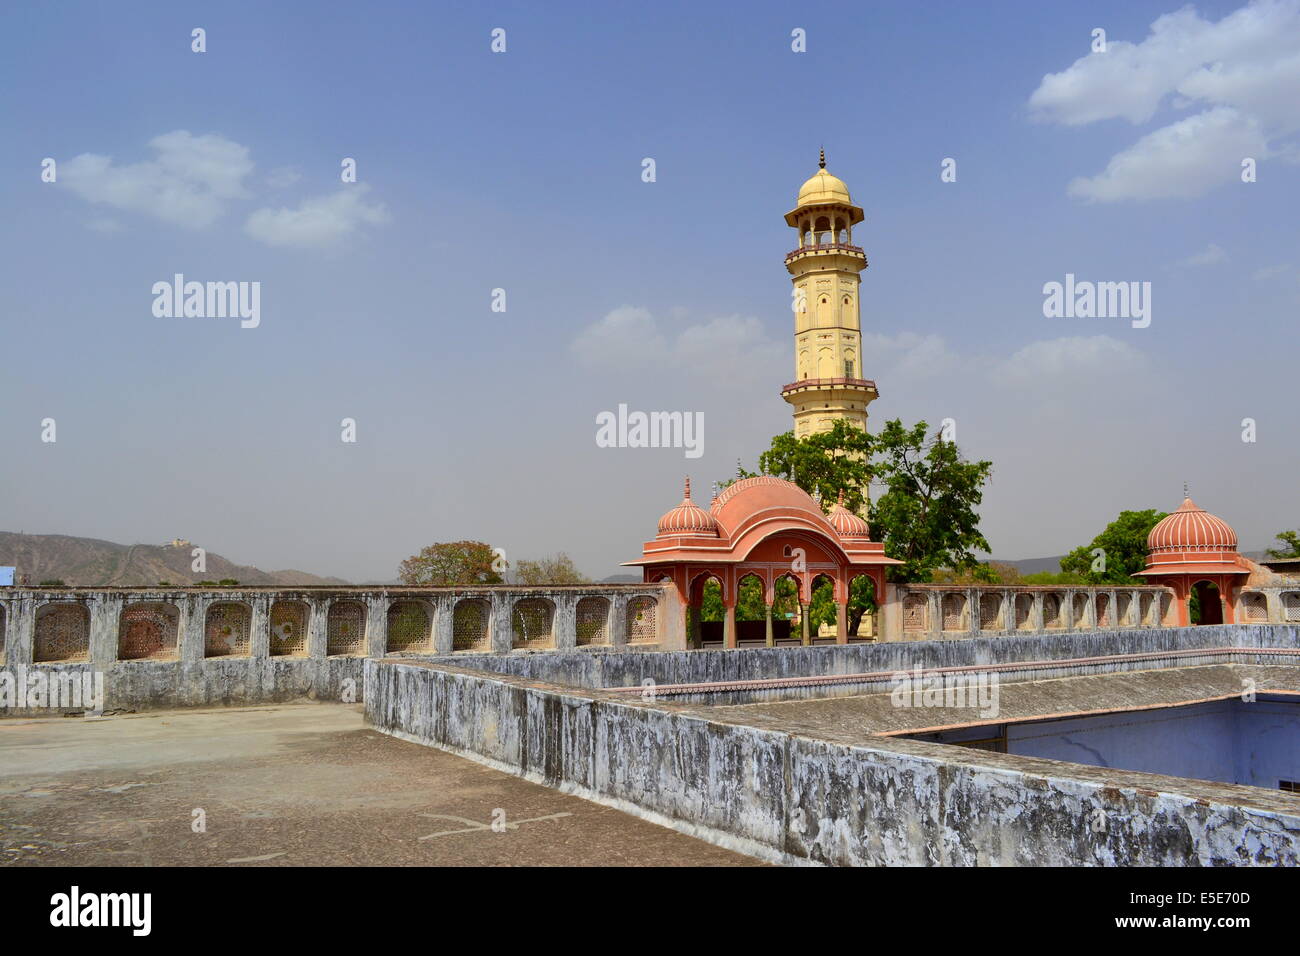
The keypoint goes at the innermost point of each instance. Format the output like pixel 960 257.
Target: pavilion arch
pixel 751 624
pixel 954 612
pixel 991 612
pixel 862 590
pixel 1052 611
pixel 226 629
pixel 916 613
pixel 148 632
pixel 532 623
pixel 345 629
pixel 820 581
pixel 471 625
pixel 409 628
pixel 289 628
pixel 592 621
pixel 1254 608
pixel 62 633
pixel 1291 606
pixel 1024 612
pixel 642 621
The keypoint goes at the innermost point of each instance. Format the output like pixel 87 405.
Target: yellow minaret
pixel 827 330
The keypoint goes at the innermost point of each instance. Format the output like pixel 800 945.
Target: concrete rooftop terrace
pixel 291 785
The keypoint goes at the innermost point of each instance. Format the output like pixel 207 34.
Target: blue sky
pixel 522 170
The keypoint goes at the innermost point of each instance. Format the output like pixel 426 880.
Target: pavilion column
pixel 770 641
pixel 805 639
pixel 729 627
pixel 841 622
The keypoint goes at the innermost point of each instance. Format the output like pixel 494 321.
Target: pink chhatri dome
pixel 687 518
pixel 846 523
pixel 1191 528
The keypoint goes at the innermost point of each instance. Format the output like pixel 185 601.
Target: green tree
pixel 1124 545
pixel 926 516
pixel 750 605
pixel 451 564
pixel 823 464
pixel 558 569
pixel 1290 545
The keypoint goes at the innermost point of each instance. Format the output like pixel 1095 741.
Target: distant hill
pixel 1035 565
pixel 89 562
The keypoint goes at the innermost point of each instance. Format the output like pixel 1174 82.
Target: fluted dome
pixel 846 523
pixel 1191 528
pixel 687 518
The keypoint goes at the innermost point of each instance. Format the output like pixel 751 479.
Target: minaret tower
pixel 827 331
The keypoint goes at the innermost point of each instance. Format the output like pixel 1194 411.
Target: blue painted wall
pixel 1229 741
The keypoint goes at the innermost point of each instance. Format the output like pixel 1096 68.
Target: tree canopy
pixel 1290 545
pixel 925 516
pixel 1124 550
pixel 451 564
pixel 557 569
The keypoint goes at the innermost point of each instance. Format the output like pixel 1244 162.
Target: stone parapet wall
pixel 169 647
pixel 792 798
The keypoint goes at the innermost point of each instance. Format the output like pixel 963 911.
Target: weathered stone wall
pixel 795 799
pixel 749 664
pixel 180 647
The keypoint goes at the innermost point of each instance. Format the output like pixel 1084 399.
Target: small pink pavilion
pixel 766 528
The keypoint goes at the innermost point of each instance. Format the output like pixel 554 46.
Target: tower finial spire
pixel 821 163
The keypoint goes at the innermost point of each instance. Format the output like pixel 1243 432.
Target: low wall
pixel 612 670
pixel 179 647
pixel 791 798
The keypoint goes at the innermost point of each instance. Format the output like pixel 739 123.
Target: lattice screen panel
pixel 593 621
pixel 346 628
pixel 408 627
pixel 148 632
pixel 62 633
pixel 289 628
pixel 531 623
pixel 469 625
pixel 641 618
pixel 226 633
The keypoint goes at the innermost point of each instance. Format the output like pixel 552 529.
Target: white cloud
pixel 105 226
pixel 1182 160
pixel 627 335
pixel 283 176
pixel 1242 70
pixel 1209 256
pixel 318 221
pixel 727 348
pixel 1066 361
pixel 907 355
pixel 187 183
pixel 1270 272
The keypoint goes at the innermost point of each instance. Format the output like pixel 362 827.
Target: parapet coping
pixel 1034 772
pixel 1230 655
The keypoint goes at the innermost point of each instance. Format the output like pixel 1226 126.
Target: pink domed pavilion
pixel 766 528
pixel 1193 551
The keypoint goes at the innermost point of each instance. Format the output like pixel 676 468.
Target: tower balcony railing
pixel 819 382
pixel 826 247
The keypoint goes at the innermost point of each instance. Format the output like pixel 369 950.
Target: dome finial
pixel 821 163
pixel 1185 494
pixel 688 488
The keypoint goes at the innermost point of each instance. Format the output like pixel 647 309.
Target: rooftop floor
pixel 300 784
